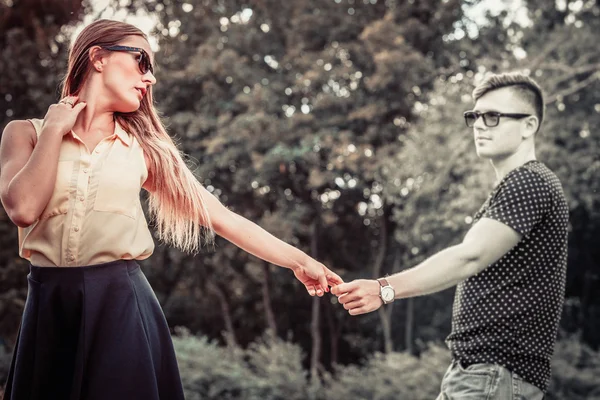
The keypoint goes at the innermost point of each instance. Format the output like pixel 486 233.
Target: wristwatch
pixel 386 291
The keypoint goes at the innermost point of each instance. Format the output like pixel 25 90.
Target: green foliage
pixel 391 376
pixel 277 367
pixel 272 369
pixel 382 145
pixel 268 369
pixel 209 371
pixel 576 369
pixel 288 113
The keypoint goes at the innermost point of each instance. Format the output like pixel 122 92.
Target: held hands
pixel 316 277
pixel 359 296
pixel 61 117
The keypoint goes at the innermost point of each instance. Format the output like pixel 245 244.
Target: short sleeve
pixel 521 202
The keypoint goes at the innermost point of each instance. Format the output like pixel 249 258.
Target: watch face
pixel 387 294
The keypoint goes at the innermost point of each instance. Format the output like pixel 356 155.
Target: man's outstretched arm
pixel 485 243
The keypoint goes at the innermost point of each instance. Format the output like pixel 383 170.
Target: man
pixel 511 265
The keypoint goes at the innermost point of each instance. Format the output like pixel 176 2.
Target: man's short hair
pixel 523 86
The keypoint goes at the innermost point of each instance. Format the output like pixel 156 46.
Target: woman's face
pixel 123 79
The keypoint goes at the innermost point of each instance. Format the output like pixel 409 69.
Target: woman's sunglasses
pixel 143 60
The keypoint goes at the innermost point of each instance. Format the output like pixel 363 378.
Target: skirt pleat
pixel 95 332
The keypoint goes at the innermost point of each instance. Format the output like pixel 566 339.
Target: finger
pixel 323 282
pixel 344 288
pixel 319 290
pixel 357 311
pixel 349 297
pixel 68 100
pixel 79 106
pixel 363 306
pixel 311 290
pixel 333 278
pixel 354 304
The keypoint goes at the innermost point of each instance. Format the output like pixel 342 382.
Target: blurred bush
pixel 575 371
pixel 273 369
pixel 268 369
pixel 391 376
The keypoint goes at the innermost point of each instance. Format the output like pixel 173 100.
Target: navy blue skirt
pixel 95 332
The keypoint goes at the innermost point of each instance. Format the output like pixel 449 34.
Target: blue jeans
pixel 485 382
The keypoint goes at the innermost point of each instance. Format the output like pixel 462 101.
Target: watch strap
pixel 383 282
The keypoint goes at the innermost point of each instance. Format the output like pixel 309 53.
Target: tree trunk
pixel 316 339
pixel 385 311
pixel 173 283
pixel 266 296
pixel 315 325
pixel 383 237
pixel 387 315
pixel 226 311
pixel 409 325
pixel 335 331
pixel 386 327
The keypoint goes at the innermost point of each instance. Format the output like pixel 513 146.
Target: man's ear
pixel 97 57
pixel 531 124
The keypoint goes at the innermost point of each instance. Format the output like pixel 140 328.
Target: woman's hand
pixel 316 277
pixel 61 117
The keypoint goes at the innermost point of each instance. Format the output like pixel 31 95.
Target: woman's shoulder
pixel 24 124
pixel 37 123
pixel 22 129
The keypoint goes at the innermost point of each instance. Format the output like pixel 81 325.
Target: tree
pixel 286 108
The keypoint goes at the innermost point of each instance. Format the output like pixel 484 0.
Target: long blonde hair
pixel 176 203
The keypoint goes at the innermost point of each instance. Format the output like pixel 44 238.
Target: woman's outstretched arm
pixel 250 237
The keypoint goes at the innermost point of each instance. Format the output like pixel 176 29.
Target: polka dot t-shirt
pixel 508 314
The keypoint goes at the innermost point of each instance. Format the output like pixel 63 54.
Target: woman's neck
pixel 95 117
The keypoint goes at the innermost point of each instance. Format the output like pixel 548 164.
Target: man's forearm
pixel 440 271
pixel 485 243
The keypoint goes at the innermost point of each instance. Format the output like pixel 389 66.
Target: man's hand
pixel 317 278
pixel 359 296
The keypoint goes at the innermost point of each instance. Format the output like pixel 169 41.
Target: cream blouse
pixel 94 215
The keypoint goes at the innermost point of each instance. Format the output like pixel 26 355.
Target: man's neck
pixel 505 165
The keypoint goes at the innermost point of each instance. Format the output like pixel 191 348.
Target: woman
pixel 92 327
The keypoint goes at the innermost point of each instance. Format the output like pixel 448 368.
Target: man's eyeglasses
pixel 143 61
pixel 490 118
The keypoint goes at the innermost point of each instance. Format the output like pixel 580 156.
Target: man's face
pixel 503 140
